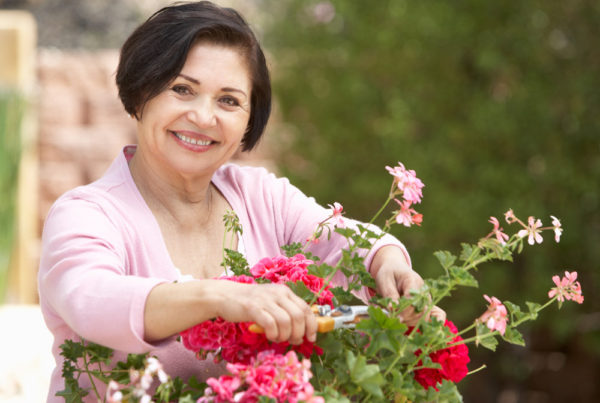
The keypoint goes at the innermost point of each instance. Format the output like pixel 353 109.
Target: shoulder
pixel 251 181
pixel 108 195
pixel 235 173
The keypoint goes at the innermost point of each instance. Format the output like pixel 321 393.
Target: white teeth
pixel 192 141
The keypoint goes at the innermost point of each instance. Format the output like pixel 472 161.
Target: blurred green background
pixel 11 112
pixel 496 105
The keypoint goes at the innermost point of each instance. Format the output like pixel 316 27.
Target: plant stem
pixel 389 199
pixel 88 372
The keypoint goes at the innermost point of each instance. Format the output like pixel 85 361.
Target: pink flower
pixel 276 376
pixel 223 388
pixel 557 228
pixel 495 317
pixel 407 216
pixel 532 230
pixel 497 231
pixel 407 182
pixel 336 213
pixel 567 288
pixel 510 217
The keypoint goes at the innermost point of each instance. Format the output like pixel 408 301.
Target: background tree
pixel 495 105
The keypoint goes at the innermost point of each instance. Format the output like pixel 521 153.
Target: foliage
pixel 11 112
pixel 493 103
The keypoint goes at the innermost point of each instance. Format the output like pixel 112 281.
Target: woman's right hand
pixel 282 314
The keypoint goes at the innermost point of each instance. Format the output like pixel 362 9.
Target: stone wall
pixel 82 125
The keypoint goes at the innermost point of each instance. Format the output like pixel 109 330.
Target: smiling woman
pixel 115 252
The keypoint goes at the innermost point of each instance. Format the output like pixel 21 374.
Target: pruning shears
pixel 328 318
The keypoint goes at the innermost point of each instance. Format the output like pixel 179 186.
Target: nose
pixel 202 113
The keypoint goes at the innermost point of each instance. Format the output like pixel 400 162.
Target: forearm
pixel 173 307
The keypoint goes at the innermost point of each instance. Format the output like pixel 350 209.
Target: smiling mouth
pixel 189 140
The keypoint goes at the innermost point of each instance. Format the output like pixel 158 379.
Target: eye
pixel 181 89
pixel 229 101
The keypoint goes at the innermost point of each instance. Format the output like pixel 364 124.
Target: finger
pixel 410 316
pixel 387 287
pixel 268 324
pixel 409 281
pixel 310 320
pixel 295 325
pixel 438 313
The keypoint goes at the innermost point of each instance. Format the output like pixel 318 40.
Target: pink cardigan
pixel 102 253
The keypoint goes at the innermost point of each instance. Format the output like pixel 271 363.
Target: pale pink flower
pixel 407 182
pixel 336 214
pixel 532 230
pixel 510 217
pixel 495 317
pixel 154 367
pixel 497 231
pixel 566 288
pixel 407 216
pixel 113 392
pixel 557 228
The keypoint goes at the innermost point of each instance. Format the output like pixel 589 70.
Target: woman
pixel 195 79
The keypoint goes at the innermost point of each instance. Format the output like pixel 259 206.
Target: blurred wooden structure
pixel 18 38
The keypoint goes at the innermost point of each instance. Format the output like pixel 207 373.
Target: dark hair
pixel 156 51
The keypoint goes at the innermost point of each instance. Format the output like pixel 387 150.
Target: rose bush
pixel 382 359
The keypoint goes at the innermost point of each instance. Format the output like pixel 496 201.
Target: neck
pixel 187 201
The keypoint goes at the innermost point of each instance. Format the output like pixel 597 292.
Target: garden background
pixel 496 105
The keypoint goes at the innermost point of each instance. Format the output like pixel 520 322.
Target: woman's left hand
pixel 395 278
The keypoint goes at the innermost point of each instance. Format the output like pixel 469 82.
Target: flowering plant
pixel 382 359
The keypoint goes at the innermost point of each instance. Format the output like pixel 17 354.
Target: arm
pixel 86 283
pixel 173 307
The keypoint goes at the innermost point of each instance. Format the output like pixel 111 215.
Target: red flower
pixel 453 360
pixel 234 341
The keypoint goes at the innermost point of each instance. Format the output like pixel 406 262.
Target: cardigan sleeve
pixel 85 279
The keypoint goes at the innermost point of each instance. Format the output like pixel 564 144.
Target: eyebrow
pixel 226 89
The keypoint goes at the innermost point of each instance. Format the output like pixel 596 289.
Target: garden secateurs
pixel 328 318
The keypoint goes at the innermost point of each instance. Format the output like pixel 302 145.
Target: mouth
pixel 192 141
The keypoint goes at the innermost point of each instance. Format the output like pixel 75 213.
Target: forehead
pixel 217 62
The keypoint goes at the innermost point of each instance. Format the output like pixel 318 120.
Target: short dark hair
pixel 156 51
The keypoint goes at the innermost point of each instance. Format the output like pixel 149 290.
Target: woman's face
pixel 196 124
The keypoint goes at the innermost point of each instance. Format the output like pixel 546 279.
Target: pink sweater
pixel 102 253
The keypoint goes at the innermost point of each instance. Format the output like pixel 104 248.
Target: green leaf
pixel 483 338
pixel 367 376
pixel 72 393
pixel 515 311
pixel 322 270
pixel 469 252
pixel 463 277
pixel 445 258
pixel 343 296
pixel 534 308
pixel 513 336
pixel 292 249
pixel 301 290
pixel 236 262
